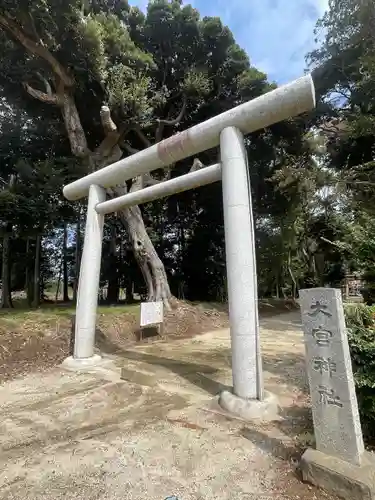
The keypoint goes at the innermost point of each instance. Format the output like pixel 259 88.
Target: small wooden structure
pixel 351 286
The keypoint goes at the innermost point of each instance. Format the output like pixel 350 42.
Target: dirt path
pixel 158 433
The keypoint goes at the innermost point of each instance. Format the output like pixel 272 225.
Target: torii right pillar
pixel 248 399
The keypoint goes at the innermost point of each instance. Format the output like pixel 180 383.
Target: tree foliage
pixel 88 82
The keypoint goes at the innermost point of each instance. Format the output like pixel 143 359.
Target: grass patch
pixel 48 315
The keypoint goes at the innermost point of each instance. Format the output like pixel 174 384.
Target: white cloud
pixel 322 6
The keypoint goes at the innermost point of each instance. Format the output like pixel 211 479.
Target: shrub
pixel 360 322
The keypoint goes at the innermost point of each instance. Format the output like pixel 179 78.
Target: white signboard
pixel 151 313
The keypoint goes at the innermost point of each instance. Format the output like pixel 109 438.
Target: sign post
pixel 151 316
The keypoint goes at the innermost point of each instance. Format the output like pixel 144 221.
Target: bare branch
pixel 36 48
pixel 369 165
pixel 114 156
pixel 197 165
pixel 159 132
pixel 326 240
pixel 129 148
pixel 106 119
pixel 148 180
pixel 41 96
pixel 109 149
pixel 137 184
pixel 179 117
pixel 359 183
pixel 34 30
pixel 142 136
pixel 46 83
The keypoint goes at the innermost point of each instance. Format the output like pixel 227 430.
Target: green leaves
pixel 360 321
pixel 129 93
pixel 196 83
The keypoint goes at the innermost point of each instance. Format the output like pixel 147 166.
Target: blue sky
pixel 276 34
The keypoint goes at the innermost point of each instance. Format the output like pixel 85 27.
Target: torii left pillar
pixel 88 285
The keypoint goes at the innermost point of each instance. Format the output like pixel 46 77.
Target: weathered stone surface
pixel 250 409
pixel 334 403
pixel 337 476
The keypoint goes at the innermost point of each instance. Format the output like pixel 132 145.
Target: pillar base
pixel 251 409
pixel 339 477
pixel 81 363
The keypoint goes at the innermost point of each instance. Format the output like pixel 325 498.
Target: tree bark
pixel 65 265
pixel 151 266
pixel 36 298
pixel 6 296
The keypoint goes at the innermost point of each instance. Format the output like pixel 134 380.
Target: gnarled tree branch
pixel 41 96
pixel 36 48
pixel 148 180
pixel 162 123
pixel 197 165
pixel 159 132
pixel 109 148
pixel 106 119
pixel 46 83
pixel 129 148
pixel 33 27
pixel 179 117
pixel 142 136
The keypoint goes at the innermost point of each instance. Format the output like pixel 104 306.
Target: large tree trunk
pixel 106 153
pixel 65 265
pixel 148 260
pixel 6 295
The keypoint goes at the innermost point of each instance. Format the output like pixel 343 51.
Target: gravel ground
pixel 158 431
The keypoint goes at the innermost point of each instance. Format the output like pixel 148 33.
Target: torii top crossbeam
pixel 282 103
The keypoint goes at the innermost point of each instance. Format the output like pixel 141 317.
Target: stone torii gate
pixel 226 130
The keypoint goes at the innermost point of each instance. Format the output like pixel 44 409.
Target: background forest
pixel 87 82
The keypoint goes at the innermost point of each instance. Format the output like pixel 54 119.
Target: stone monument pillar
pixel 339 460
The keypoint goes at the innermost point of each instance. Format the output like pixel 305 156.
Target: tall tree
pixel 345 74
pixel 145 76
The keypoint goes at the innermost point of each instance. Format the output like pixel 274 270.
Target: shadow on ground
pixel 296 428
pixel 289 367
pixel 196 374
pixel 282 323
